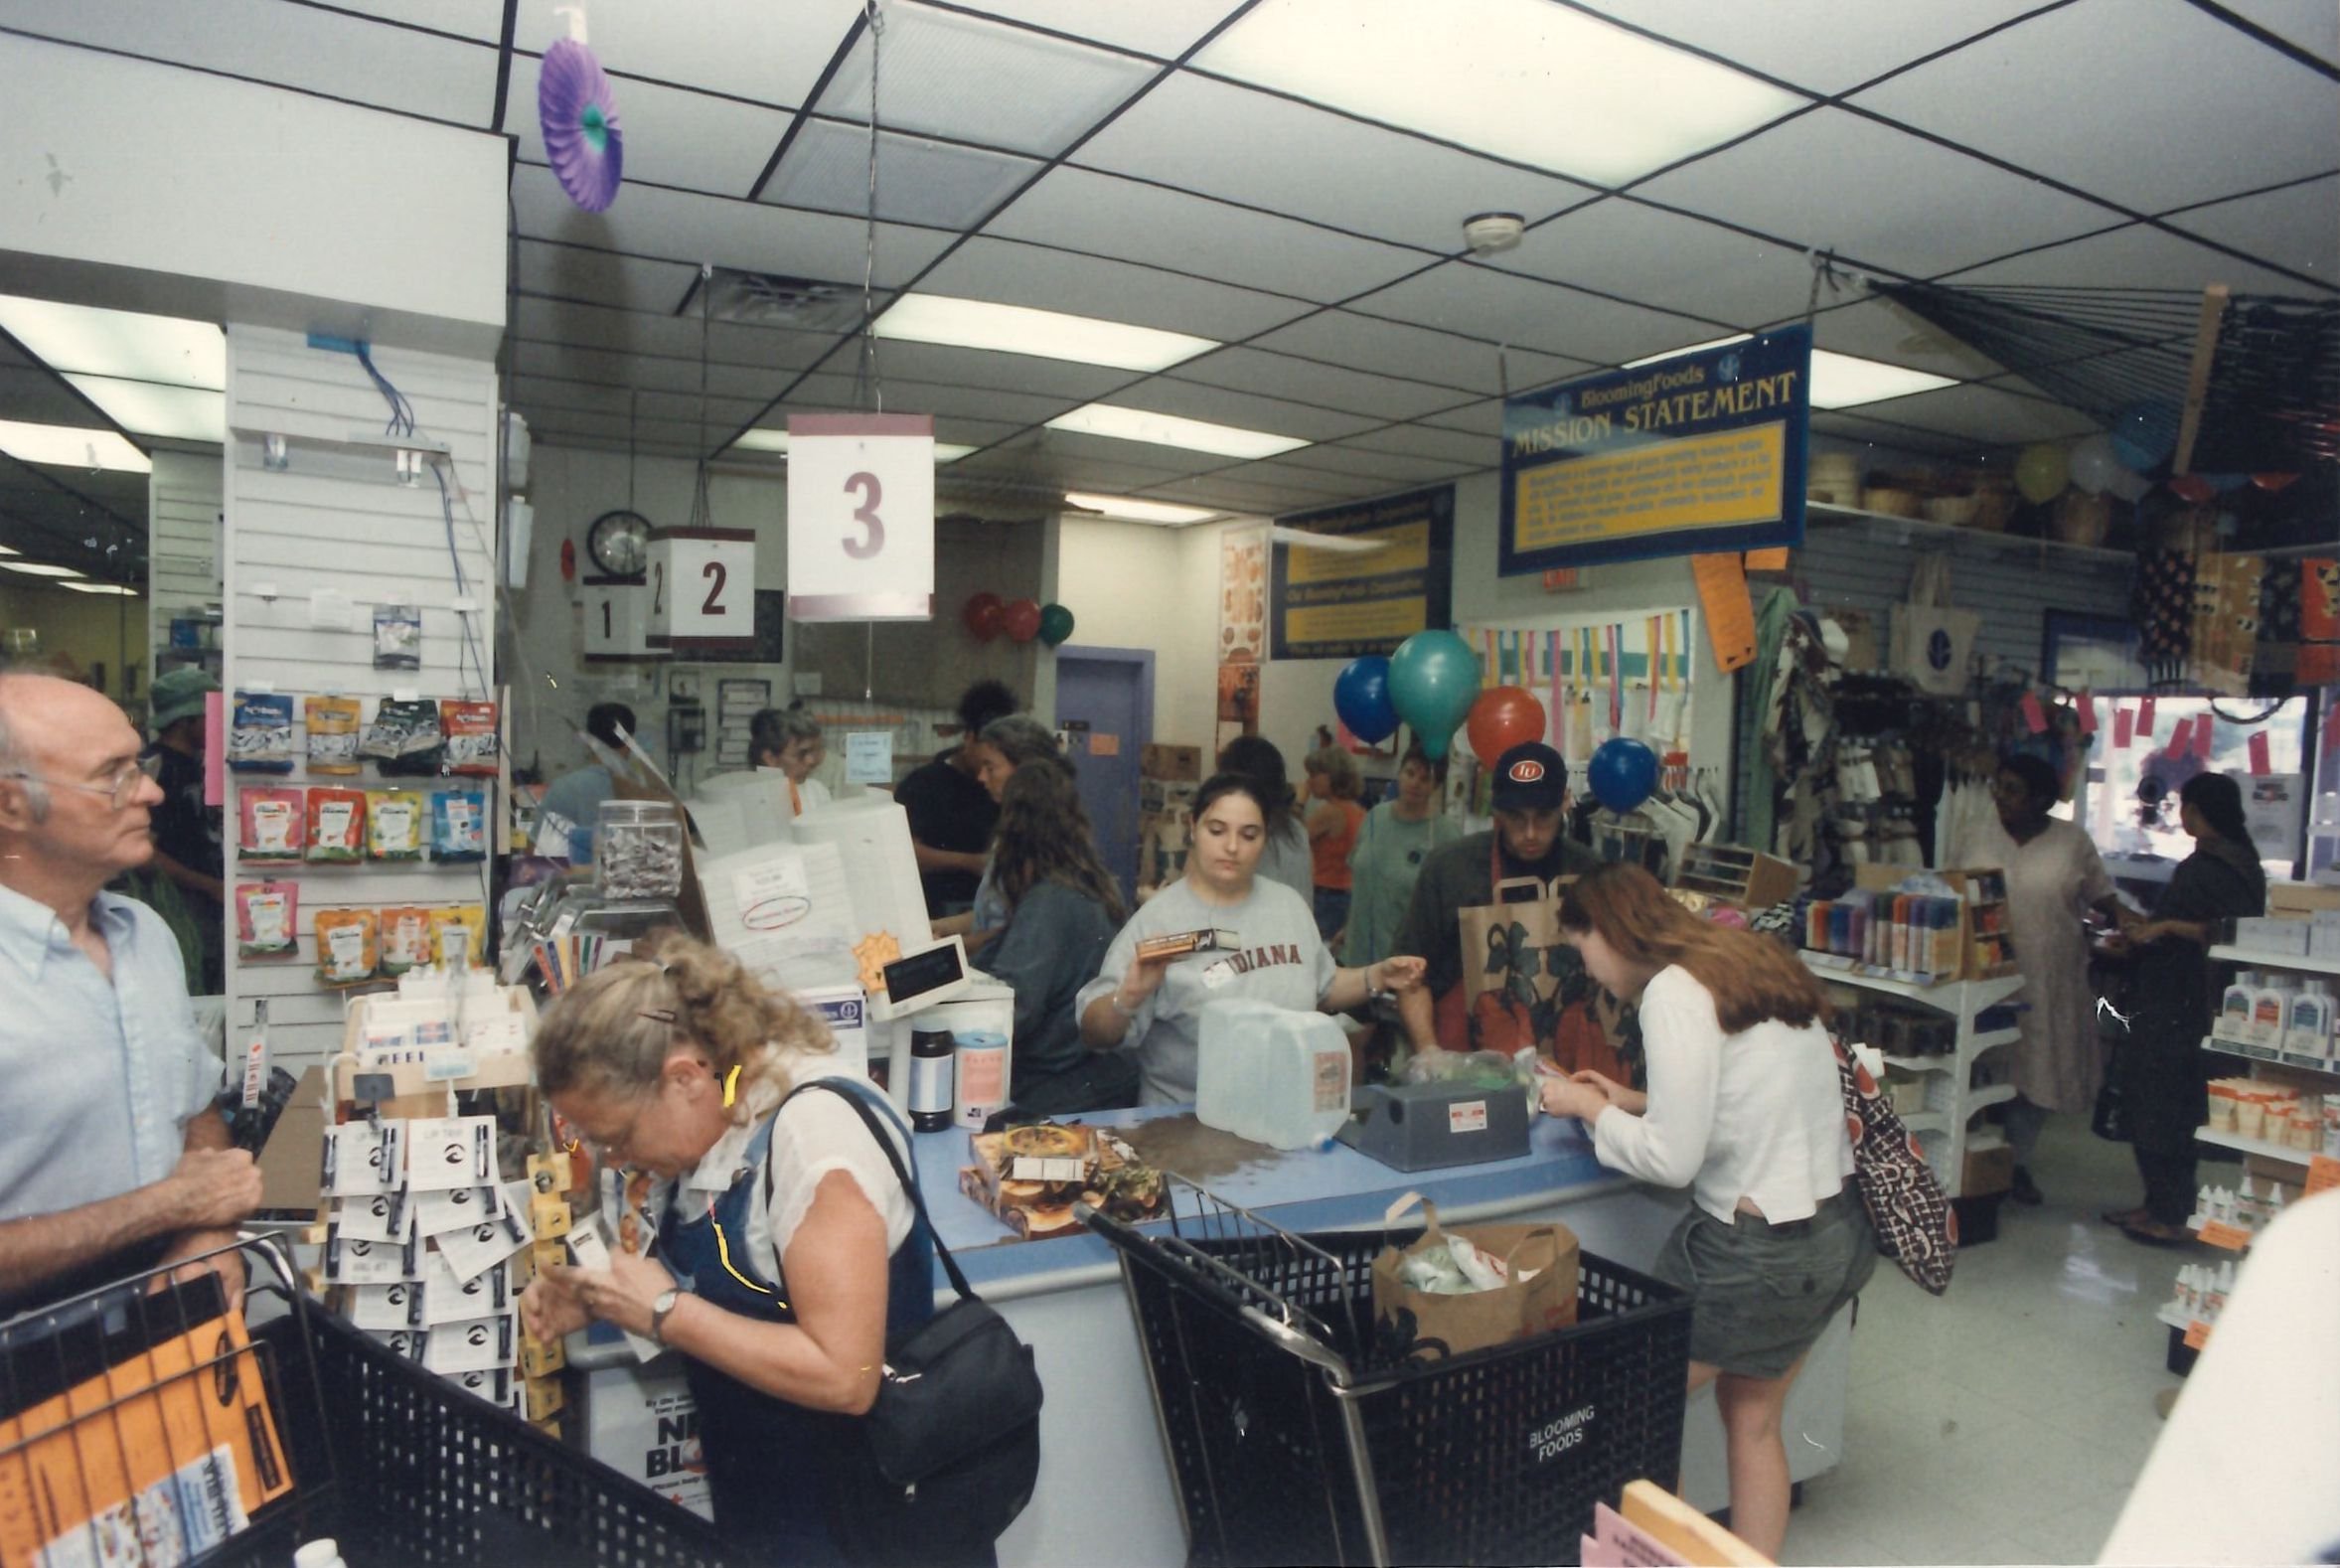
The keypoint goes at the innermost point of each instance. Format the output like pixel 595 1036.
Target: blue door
pixel 1105 707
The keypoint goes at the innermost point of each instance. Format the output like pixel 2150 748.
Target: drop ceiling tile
pixel 1306 380
pixel 938 184
pixel 1980 413
pixel 1191 401
pixel 1105 214
pixel 1269 487
pixel 832 390
pixel 2218 111
pixel 750 49
pixel 1470 450
pixel 1207 136
pixel 1022 373
pixel 975 80
pixel 301 46
pixel 1686 264
pixel 2136 256
pixel 1505 307
pixel 2313 25
pixel 1393 347
pixel 1013 274
pixel 672 136
pixel 1878 329
pixel 673 339
pixel 1043 457
pixel 1392 469
pixel 1831 180
pixel 477 19
pixel 2298 228
pixel 1164 29
pixel 601 278
pixel 567 361
pixel 1484 419
pixel 1826 46
pixel 680 227
pixel 31 396
pixel 1105 463
pixel 1852 431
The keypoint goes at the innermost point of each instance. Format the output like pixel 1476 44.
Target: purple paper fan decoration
pixel 579 120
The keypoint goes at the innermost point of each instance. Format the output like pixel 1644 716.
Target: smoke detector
pixel 1489 232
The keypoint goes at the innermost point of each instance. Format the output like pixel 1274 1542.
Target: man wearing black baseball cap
pixel 1529 841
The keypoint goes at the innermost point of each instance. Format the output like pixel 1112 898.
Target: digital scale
pixel 1426 1125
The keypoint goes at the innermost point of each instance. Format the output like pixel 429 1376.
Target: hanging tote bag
pixel 948 1456
pixel 1915 1224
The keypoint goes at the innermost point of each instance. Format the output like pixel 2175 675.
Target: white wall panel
pixel 182 542
pixel 337 518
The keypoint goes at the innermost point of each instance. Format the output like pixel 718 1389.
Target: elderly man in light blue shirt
pixel 112 1158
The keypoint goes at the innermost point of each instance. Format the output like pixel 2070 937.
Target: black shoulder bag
pixel 948 1456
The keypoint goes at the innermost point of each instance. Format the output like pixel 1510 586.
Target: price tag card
pixel 456 1208
pixel 450 1151
pixel 701 590
pixel 471 1252
pixel 386 1216
pixel 446 1298
pixel 382 1307
pixel 362 1159
pixel 2218 1233
pixel 861 517
pixel 349 1262
pixel 474 1344
pixel 2197 1334
pixel 2323 1174
pixel 868 757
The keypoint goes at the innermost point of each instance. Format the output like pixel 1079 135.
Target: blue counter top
pixel 1333 1188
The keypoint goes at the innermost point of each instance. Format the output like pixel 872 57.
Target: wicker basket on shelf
pixel 1834 479
pixel 1892 503
pixel 2082 518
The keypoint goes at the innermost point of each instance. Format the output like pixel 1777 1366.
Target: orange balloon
pixel 1503 716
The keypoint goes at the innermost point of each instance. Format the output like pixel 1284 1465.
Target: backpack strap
pixel 853 1097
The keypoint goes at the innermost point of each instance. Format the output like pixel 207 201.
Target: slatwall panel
pixel 337 518
pixel 182 542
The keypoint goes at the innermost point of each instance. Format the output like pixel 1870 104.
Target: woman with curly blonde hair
pixel 784 1248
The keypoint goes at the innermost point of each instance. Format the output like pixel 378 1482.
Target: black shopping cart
pixel 138 1426
pixel 1295 1437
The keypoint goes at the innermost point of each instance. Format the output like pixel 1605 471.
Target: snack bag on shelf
pixel 333 734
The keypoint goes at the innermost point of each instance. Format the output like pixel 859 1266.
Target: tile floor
pixel 2005 1421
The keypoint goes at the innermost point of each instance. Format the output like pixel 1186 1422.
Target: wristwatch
pixel 668 1299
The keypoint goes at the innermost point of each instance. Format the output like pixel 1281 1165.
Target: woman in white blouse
pixel 1743 1108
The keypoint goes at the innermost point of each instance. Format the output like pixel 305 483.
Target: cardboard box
pixel 2300 900
pixel 1987 1171
pixel 1177 764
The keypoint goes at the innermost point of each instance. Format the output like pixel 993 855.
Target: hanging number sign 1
pixel 701 586
pixel 861 517
pixel 617 618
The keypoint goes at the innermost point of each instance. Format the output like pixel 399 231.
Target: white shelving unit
pixel 1941 1129
pixel 2270 1056
pixel 2251 959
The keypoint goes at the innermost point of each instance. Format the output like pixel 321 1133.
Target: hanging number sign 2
pixel 701 583
pixel 861 517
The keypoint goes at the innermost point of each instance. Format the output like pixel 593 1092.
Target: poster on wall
pixel 1243 595
pixel 1700 453
pixel 1390 579
pixel 2275 809
pixel 1238 709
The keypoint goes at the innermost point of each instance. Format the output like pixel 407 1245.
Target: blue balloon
pixel 2144 433
pixel 1432 681
pixel 1360 696
pixel 1621 773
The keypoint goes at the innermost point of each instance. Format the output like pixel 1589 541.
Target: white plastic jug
pixel 1222 1063
pixel 1271 1074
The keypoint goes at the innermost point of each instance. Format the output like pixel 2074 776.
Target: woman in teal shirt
pixel 1396 837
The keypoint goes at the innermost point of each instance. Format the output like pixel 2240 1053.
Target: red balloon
pixel 1501 717
pixel 1022 620
pixel 2192 487
pixel 983 615
pixel 2270 483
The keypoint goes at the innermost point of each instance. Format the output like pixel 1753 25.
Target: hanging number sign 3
pixel 702 585
pixel 861 517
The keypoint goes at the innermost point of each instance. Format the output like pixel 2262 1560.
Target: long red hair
pixel 1751 978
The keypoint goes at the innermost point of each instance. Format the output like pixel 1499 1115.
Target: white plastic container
pixel 1271 1074
pixel 1222 1063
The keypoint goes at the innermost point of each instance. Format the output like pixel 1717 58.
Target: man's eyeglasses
pixel 119 788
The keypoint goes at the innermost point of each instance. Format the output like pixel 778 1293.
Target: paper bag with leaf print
pixel 1522 985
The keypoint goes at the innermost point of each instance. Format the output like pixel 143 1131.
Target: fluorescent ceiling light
pixel 1140 510
pixel 1163 429
pixel 1838 381
pixel 762 440
pixel 4 550
pixel 1523 79
pixel 34 568
pixel 184 414
pixel 70 446
pixel 1046 334
pixel 125 343
pixel 113 589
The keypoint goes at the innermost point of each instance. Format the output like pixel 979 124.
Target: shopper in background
pixel 951 814
pixel 1006 745
pixel 789 739
pixel 1152 1007
pixel 1394 839
pixel 1530 798
pixel 112 1158
pixel 1745 1108
pixel 573 799
pixel 1286 859
pixel 2173 991
pixel 796 1240
pixel 1333 818
pixel 1062 909
pixel 186 848
pixel 2054 877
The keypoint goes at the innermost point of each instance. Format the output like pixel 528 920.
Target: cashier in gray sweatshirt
pixel 1153 1006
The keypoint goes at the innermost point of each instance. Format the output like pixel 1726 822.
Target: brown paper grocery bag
pixel 1511 1310
pixel 1521 986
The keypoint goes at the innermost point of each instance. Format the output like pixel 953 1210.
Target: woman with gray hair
pixel 789 739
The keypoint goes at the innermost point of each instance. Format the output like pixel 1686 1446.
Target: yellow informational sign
pixel 1729 479
pixel 1403 549
pixel 1372 621
pixel 1382 574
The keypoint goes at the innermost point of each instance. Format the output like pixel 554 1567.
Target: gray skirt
pixel 1761 1293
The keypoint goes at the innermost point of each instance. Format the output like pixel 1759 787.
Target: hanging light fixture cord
pixel 868 384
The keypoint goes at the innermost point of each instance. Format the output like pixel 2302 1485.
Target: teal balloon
pixel 1055 624
pixel 1432 681
pixel 2144 433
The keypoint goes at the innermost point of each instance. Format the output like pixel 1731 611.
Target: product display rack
pixel 2289 1064
pixel 1941 1128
